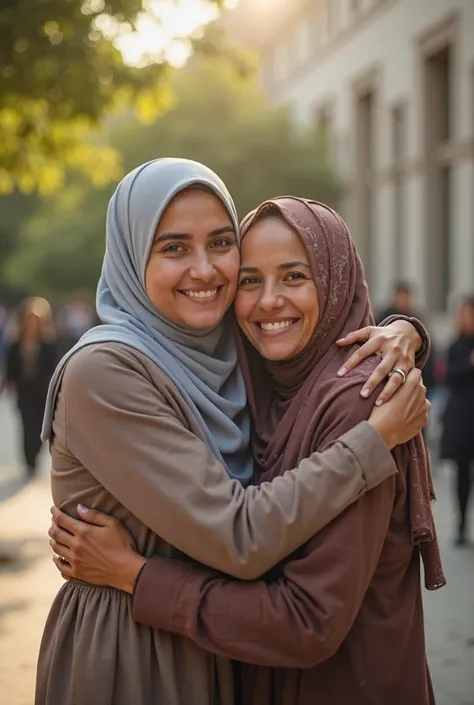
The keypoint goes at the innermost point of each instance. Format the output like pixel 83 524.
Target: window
pixel 281 62
pixel 365 161
pixel 438 126
pixel 399 141
pixel 303 41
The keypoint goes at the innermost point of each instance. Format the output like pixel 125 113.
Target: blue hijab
pixel 201 363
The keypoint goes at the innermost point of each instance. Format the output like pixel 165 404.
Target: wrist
pixel 410 330
pixel 385 432
pixel 128 573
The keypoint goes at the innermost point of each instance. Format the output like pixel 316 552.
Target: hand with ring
pixel 397 344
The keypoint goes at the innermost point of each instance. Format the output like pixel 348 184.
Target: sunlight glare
pixel 163 29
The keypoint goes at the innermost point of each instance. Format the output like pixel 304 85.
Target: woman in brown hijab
pixel 341 620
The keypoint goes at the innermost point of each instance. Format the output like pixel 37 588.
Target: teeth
pixel 276 326
pixel 201 294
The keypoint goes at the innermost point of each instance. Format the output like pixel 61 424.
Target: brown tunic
pixel 125 442
pixel 342 619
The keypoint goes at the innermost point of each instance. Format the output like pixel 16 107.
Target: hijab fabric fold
pixel 297 404
pixel 202 364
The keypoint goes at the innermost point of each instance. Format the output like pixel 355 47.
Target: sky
pixel 160 30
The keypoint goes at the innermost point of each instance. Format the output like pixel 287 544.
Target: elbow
pixel 250 569
pixel 318 650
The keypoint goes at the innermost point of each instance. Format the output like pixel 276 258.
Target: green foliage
pixel 60 75
pixel 218 117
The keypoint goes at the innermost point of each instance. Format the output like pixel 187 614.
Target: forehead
pixel 271 239
pixel 191 207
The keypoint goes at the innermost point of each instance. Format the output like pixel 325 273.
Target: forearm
pixel 184 495
pixel 296 620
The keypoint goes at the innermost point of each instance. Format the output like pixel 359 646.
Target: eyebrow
pixel 187 236
pixel 284 265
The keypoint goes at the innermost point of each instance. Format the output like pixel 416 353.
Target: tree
pixel 60 75
pixel 219 118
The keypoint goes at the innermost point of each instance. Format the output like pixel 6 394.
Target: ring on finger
pixel 399 371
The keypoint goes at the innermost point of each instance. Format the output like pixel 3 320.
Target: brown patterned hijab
pixel 300 405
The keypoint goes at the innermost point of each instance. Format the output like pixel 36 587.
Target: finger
pixel 357 336
pixel 60 550
pixel 64 568
pixel 92 516
pixel 393 385
pixel 380 373
pixel 413 377
pixel 360 354
pixel 66 522
pixel 60 535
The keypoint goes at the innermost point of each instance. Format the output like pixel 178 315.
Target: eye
pixel 295 276
pixel 175 247
pixel 249 281
pixel 223 242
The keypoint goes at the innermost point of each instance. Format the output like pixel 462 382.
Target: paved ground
pixel 27 586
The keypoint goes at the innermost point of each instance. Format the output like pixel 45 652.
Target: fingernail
pixel 342 372
pixel 81 508
pixel 379 402
pixel 341 340
pixel 365 393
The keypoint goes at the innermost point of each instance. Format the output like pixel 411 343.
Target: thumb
pixel 92 516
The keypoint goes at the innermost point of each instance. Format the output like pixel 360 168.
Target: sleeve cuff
pixel 372 453
pixel 157 591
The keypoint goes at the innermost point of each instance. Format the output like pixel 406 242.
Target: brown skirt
pixel 94 653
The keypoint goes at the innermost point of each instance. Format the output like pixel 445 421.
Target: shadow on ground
pixel 12 606
pixel 11 487
pixel 19 555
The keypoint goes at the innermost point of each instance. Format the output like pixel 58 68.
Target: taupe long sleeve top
pixel 126 443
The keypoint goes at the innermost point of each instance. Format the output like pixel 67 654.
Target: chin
pixel 276 353
pixel 205 320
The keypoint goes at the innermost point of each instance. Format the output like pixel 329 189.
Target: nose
pixel 202 268
pixel 270 299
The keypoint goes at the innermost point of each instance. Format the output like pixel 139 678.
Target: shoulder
pixel 112 371
pixel 346 389
pixel 341 406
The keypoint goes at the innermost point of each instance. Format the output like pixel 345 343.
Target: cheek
pixel 161 277
pixel 242 306
pixel 229 265
pixel 309 306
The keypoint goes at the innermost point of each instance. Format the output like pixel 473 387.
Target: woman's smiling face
pixel 277 304
pixel 192 270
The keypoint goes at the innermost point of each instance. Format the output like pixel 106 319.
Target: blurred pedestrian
pixel 30 363
pixel 77 317
pixel 457 442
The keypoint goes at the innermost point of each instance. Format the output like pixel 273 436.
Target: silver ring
pixel 399 371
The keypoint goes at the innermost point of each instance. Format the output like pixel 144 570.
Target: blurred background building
pixel 390 83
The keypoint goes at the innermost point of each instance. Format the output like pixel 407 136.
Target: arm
pixel 301 616
pixel 459 368
pixel 295 621
pixel 119 426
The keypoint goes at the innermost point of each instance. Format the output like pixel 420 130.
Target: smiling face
pixel 277 304
pixel 192 270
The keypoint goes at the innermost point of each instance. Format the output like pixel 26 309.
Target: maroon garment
pixel 342 618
